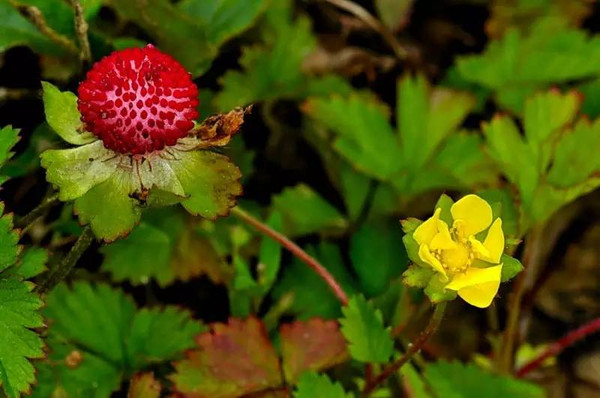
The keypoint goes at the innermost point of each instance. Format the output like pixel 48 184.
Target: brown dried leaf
pixel 313 345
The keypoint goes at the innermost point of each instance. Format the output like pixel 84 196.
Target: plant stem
pixel 557 347
pixel 531 255
pixel 28 219
pixel 35 16
pixel 62 270
pixel 364 15
pixel 413 349
pixel 81 27
pixel 295 250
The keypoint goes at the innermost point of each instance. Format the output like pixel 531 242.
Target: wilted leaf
pixel 144 385
pixel 314 345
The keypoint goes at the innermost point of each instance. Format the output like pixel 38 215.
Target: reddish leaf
pixel 311 346
pixel 144 385
pixel 232 360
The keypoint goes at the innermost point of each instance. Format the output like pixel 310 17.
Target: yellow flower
pixel 469 266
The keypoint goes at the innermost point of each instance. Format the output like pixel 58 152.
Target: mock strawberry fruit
pixel 138 101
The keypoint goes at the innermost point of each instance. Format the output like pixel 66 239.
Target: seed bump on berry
pixel 138 101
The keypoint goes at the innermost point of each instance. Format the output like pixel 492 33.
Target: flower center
pixel 457 259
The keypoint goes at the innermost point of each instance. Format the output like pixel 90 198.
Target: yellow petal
pixel 428 229
pixel 480 296
pixel 480 250
pixel 442 240
pixel 475 276
pixel 426 255
pixel 494 242
pixel 474 212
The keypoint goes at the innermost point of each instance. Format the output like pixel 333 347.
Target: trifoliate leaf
pixel 455 380
pixel 108 208
pixel 314 345
pixel 311 295
pixel 511 267
pixel 364 136
pixel 110 336
pixel 144 385
pixel 232 360
pixel 305 212
pixel 313 385
pixel 378 255
pixel 210 180
pixel 18 315
pixel 362 326
pixel 63 116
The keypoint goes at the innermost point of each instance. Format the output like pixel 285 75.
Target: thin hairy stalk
pixel 375 24
pixel 63 268
pixel 413 349
pixel 36 17
pixel 28 219
pixel 295 250
pixel 531 255
pixel 81 28
pixel 557 347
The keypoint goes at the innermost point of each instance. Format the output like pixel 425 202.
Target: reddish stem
pixel 296 251
pixel 557 347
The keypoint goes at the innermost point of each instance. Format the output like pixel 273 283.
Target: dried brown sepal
pixel 217 130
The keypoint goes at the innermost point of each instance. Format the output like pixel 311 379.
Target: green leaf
pixel 362 326
pixel 312 385
pixel 545 56
pixel 364 136
pixel 445 202
pixel 377 255
pixel 27 161
pixel 511 267
pixel 513 155
pixel 63 116
pixel 8 138
pixel 232 360
pixel 312 296
pixel 223 19
pixel 315 345
pixel 455 380
pixel 426 117
pixel 272 70
pixel 9 239
pixel 108 208
pixel 269 257
pixel 210 180
pixel 15 30
pixel 305 212
pixel 413 382
pixel 591 98
pixel 18 315
pixel 111 336
pixel 32 263
pixel 574 158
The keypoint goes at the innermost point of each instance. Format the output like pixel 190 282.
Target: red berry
pixel 138 100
